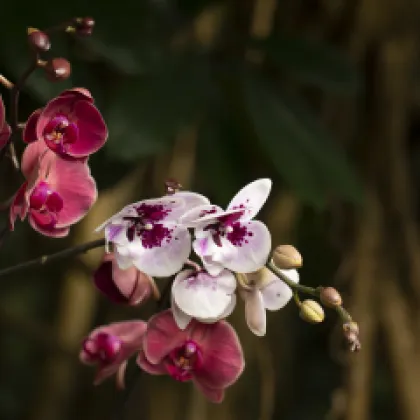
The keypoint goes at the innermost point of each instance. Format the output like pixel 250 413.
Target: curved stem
pixel 46 259
pixel 5 82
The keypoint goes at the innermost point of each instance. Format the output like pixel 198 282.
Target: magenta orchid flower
pixel 57 193
pixel 109 347
pixel 208 354
pixel 231 239
pixel 263 291
pixel 197 294
pixel 69 124
pixel 148 235
pixel 129 286
pixel 5 131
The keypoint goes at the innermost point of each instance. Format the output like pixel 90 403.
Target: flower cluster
pixel 59 189
pixel 191 340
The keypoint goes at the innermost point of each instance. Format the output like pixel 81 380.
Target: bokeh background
pixel 320 95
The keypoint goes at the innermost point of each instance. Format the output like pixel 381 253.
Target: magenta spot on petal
pixel 152 213
pixel 155 236
pixel 182 361
pixel 207 212
pixel 238 234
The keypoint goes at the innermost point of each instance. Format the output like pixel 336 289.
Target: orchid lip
pixel 59 133
pixel 184 360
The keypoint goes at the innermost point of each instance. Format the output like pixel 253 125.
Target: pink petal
pixel 32 157
pixel 2 113
pixel 77 93
pixel 92 130
pixel 163 260
pixel 252 251
pixel 255 312
pixel 148 367
pixel 5 133
pixel 162 336
pixel 71 179
pixel 53 232
pixel 214 395
pixel 29 132
pixel 277 293
pixel 19 206
pixel 251 198
pixel 222 357
pixel 200 295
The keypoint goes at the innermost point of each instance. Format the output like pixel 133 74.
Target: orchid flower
pixel 197 294
pixel 57 192
pixel 208 354
pixel 110 346
pixel 70 125
pixel 231 239
pixel 148 234
pixel 129 286
pixel 264 290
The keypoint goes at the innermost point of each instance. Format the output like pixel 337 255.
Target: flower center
pixel 229 227
pixel 147 225
pixel 103 348
pixel 59 133
pixel 45 204
pixel 182 361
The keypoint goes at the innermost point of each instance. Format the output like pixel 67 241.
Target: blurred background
pixel 320 95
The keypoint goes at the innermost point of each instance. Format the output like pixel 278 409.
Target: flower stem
pixel 46 259
pixel 6 82
pixel 294 286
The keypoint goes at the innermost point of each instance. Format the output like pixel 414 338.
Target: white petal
pixel 251 198
pixel 204 213
pixel 224 315
pixel 202 296
pixel 212 267
pixel 252 251
pixel 123 260
pixel 292 274
pixel 276 295
pixel 191 199
pixel 255 312
pixel 206 249
pixel 166 259
pixel 181 318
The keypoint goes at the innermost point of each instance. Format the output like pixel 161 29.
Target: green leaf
pixel 301 150
pixel 146 112
pixel 313 63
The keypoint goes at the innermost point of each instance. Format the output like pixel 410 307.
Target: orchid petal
pixel 200 295
pixel 228 311
pixel 213 395
pixel 181 318
pixel 277 293
pixel 254 312
pixel 29 134
pixel 19 206
pixel 162 336
pixel 251 198
pixel 51 231
pixel 222 357
pixel 253 249
pixel 2 113
pixel 199 214
pixel 148 367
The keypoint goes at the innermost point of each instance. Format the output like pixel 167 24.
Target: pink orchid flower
pixel 57 193
pixel 197 294
pixel 231 239
pixel 263 291
pixel 5 131
pixel 147 234
pixel 110 346
pixel 69 124
pixel 208 354
pixel 129 286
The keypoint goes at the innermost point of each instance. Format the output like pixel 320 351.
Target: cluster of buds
pixel 58 68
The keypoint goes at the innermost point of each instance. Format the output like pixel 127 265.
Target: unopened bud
pixel 38 40
pixel 286 257
pixel 172 186
pixel 351 333
pixel 84 26
pixel 330 297
pixel 311 311
pixel 57 69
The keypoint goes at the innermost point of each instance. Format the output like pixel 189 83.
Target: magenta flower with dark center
pixel 147 234
pixel 231 239
pixel 57 193
pixel 110 346
pixel 69 124
pixel 5 130
pixel 209 355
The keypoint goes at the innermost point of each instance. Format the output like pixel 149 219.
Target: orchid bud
pixel 38 40
pixel 311 311
pixel 57 69
pixel 330 297
pixel 84 26
pixel 286 257
pixel 172 186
